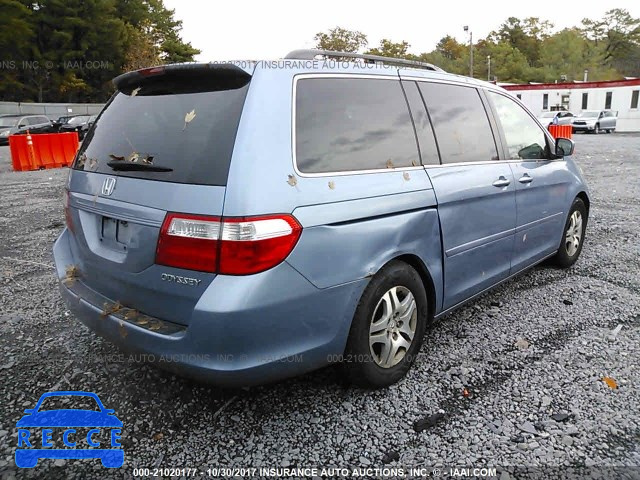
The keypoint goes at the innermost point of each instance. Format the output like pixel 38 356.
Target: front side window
pixel 525 139
pixel 460 123
pixel 351 124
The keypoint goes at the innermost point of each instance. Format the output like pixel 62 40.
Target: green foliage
pixel 341 40
pixel 69 50
pixel 388 48
pixel 525 50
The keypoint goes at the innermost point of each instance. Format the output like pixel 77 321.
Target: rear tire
pixel 572 235
pixel 388 327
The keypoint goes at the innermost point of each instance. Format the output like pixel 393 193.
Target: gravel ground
pixel 537 346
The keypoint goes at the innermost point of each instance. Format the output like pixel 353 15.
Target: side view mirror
pixel 22 125
pixel 564 147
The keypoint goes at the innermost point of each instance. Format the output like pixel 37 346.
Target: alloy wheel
pixel 393 327
pixel 573 235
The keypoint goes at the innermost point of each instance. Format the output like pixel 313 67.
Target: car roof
pixel 302 66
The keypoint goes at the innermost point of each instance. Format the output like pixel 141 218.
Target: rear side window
pixel 525 139
pixel 460 122
pixel 349 124
pixel 187 127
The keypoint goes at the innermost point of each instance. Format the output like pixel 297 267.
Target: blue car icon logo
pixel 84 432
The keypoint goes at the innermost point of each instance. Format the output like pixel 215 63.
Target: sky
pixel 269 29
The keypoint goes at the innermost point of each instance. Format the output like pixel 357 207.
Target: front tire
pixel 387 328
pixel 573 235
pixel 597 130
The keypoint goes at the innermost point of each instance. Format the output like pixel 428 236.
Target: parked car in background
pixel 60 121
pixel 256 223
pixel 595 121
pixel 76 124
pixel 85 128
pixel 17 124
pixel 557 118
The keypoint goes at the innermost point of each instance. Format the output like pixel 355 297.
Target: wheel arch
pixel 420 267
pixel 585 198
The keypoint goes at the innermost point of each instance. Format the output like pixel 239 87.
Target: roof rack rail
pixel 311 54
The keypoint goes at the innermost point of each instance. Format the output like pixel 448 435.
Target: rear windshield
pixel 190 135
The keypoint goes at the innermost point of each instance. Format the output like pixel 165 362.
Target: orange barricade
pixel 43 150
pixel 561 131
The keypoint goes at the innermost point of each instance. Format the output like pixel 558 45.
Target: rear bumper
pixel 243 331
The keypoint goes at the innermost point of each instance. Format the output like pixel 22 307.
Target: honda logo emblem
pixel 108 186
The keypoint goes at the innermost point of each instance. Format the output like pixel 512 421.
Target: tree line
pixel 522 50
pixel 69 50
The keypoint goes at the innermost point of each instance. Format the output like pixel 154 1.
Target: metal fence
pixel 52 110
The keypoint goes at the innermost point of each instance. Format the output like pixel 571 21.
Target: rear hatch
pixel 162 144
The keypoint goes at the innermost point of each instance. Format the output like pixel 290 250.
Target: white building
pixel 620 95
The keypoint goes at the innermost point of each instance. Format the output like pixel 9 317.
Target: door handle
pixel 525 178
pixel 501 182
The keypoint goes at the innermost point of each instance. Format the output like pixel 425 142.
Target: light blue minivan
pixel 248 222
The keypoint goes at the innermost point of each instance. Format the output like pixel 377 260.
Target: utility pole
pixel 466 29
pixel 488 68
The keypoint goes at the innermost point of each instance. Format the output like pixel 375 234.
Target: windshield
pixel 178 137
pixel 77 120
pixel 548 115
pixel 8 121
pixel 589 114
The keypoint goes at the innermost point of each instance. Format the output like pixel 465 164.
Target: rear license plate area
pixel 115 233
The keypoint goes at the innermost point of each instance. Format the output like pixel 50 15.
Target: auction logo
pixel 84 430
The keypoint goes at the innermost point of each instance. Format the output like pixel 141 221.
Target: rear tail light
pixel 189 241
pixel 230 246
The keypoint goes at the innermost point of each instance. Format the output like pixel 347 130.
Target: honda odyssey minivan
pixel 255 221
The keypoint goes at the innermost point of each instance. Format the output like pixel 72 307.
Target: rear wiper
pixel 136 167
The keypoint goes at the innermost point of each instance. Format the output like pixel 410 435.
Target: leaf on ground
pixel 158 436
pixel 611 383
pixel 521 344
